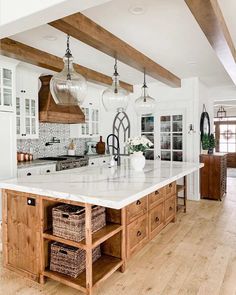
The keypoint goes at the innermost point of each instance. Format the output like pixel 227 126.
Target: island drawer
pixel 136 209
pixel 137 234
pixel 157 197
pixel 170 208
pixel 170 189
pixel 156 220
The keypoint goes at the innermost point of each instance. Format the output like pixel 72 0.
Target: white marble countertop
pixel 114 187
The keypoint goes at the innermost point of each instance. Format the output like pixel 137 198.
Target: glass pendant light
pixel 68 87
pixel 145 104
pixel 115 98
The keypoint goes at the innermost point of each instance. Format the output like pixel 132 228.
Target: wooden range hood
pixel 50 112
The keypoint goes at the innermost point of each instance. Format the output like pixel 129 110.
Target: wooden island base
pixel 27 235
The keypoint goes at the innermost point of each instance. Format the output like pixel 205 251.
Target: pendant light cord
pixel 68 56
pixel 116 76
pixel 144 86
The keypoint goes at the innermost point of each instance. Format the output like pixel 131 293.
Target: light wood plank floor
pixel 196 255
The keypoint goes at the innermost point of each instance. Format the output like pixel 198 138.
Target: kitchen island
pixel 138 206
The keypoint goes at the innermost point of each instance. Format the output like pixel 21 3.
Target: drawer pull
pixel 139 233
pixel 157 219
pixel 170 209
pixel 29 174
pixel 138 202
pixel 48 171
pixel 170 185
pixel 157 192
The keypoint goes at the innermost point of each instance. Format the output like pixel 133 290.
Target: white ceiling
pixel 166 32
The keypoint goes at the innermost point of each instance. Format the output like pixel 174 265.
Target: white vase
pixel 137 160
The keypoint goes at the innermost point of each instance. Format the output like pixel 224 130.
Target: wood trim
pixel 88 239
pixel 34 56
pixel 123 240
pixel 86 30
pixel 211 20
pixel 4 228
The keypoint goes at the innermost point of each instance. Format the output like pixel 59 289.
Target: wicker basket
pixel 69 260
pixel 69 221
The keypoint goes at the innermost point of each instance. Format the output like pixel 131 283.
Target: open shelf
pixel 97 238
pixel 49 236
pixel 105 266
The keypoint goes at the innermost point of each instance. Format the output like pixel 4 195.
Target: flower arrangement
pixel 138 144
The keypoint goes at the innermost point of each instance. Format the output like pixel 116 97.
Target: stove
pixel 66 162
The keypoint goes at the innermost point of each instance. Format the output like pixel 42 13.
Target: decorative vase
pixel 204 152
pixel 210 151
pixel 100 147
pixel 137 161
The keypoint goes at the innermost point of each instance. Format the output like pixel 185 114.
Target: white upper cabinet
pixel 91 109
pixel 7 86
pixel 26 103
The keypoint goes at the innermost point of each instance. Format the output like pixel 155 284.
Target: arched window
pixel 121 128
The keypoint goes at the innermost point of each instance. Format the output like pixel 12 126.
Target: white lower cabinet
pixel 38 170
pixel 99 161
pixel 48 169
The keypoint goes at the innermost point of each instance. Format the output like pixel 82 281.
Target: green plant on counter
pixel 205 141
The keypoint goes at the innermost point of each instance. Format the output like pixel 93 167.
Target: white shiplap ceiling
pixel 166 32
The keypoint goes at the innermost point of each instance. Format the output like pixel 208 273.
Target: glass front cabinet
pixel 171 137
pixel 6 88
pixel 26 104
pixel 147 129
pixel 91 126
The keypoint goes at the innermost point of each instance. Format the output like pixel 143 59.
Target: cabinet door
pixel 6 89
pixel 26 172
pixel 27 104
pixel 156 220
pixel 23 232
pixel 204 176
pixel 91 126
pixel 137 234
pixel 170 209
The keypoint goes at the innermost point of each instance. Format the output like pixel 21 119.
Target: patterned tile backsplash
pixel 46 132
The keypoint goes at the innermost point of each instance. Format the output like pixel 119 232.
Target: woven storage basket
pixel 68 221
pixel 69 260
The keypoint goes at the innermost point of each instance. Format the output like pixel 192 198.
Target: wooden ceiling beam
pixel 211 20
pixel 84 29
pixel 28 54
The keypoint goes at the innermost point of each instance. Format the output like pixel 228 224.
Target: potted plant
pixel 212 143
pixel 205 143
pixel 137 146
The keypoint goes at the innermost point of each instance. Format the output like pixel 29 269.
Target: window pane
pixel 147 124
pixel 223 128
pixel 165 141
pixel 165 156
pixel 177 156
pixel 231 148
pixel 223 147
pixel 177 141
pixel 223 138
